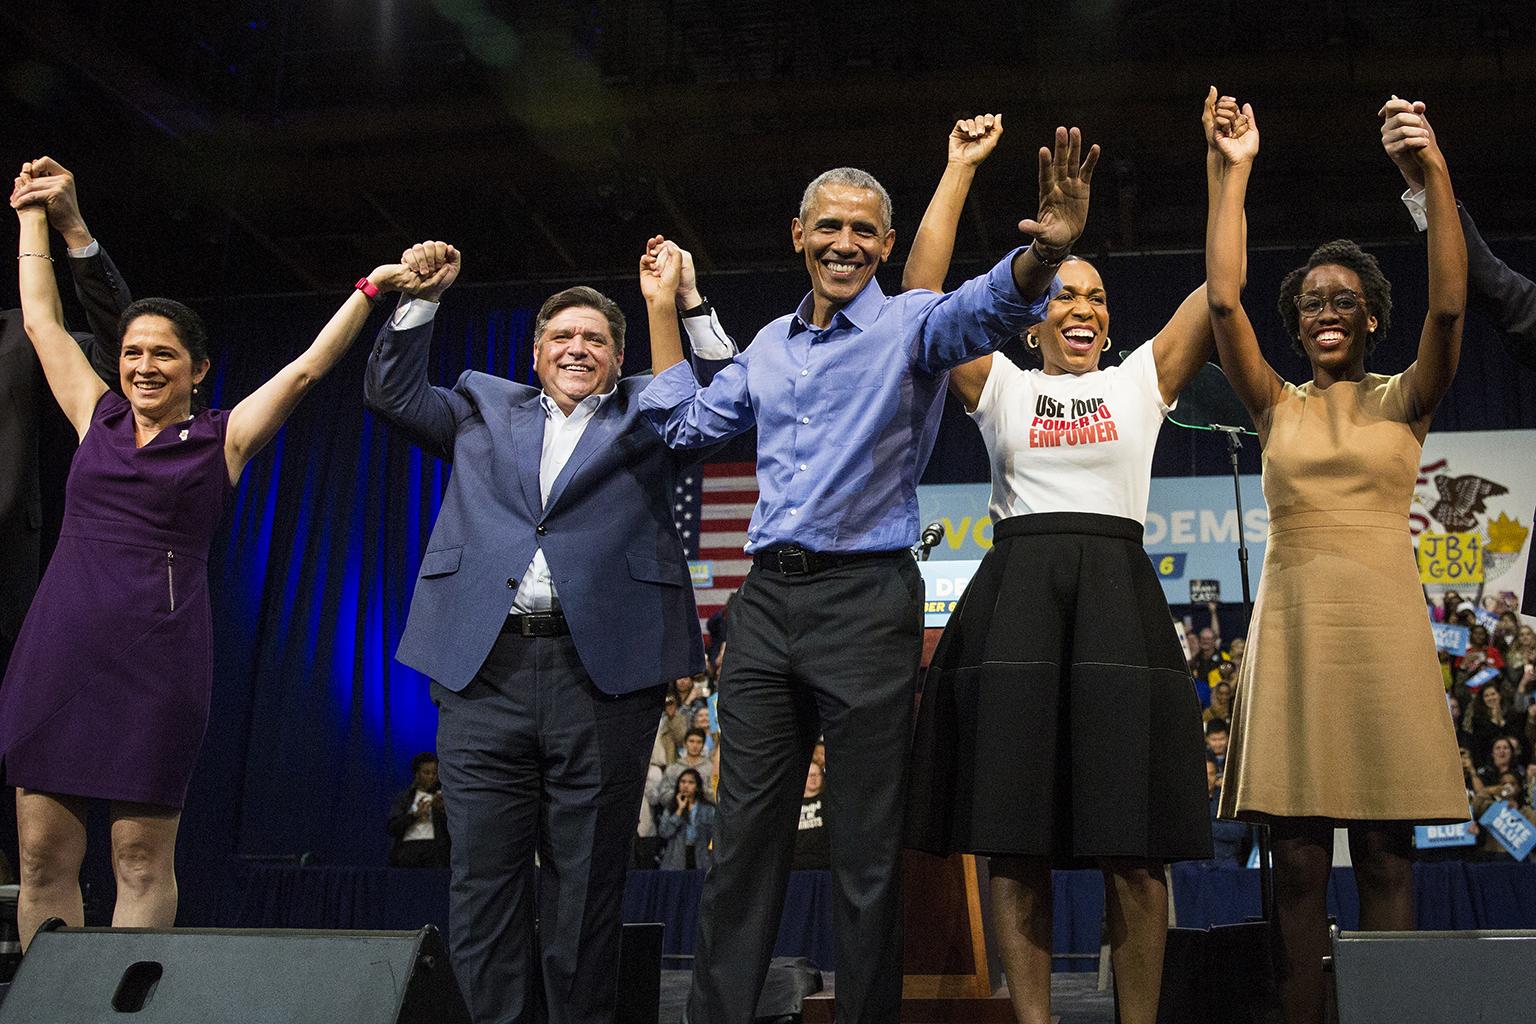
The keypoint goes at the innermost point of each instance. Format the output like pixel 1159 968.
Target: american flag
pixel 712 508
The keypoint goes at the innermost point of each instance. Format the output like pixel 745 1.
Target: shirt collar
pixel 859 313
pixel 586 407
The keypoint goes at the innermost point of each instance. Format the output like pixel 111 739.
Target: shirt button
pixel 541 531
pixel 794 511
pixel 805 373
pixel 805 419
pixel 803 467
pixel 511 584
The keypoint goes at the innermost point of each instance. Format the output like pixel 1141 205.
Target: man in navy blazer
pixel 553 602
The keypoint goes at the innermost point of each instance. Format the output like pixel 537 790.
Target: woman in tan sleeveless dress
pixel 1340 717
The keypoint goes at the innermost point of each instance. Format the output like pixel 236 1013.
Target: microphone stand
pixel 1208 403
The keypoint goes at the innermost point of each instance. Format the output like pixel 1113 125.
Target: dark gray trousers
pixel 533 757
pixel 833 653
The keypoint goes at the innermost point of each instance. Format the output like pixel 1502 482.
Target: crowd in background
pixel 1489 693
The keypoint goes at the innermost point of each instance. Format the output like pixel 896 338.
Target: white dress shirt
pixel 536 592
pixel 1417 209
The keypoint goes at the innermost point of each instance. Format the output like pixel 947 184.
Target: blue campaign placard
pixel 1485 676
pixel 1430 837
pixel 1512 829
pixel 1486 619
pixel 944 582
pixel 1450 637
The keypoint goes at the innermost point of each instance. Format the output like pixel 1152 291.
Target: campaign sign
pixel 1432 837
pixel 1450 558
pixel 1450 637
pixel 1487 619
pixel 703 574
pixel 1486 675
pixel 943 583
pixel 1204 591
pixel 1512 829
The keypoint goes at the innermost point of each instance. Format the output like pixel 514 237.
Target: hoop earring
pixel 1030 341
pixel 1107 343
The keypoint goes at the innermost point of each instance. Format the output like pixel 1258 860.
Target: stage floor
pixel 1075 999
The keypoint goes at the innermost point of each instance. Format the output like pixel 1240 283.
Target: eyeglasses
pixel 1343 302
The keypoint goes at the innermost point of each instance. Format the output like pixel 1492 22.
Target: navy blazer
pixel 607 532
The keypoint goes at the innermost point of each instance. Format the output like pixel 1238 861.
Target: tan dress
pixel 1340 709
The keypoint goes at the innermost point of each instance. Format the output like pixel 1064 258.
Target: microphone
pixel 932 534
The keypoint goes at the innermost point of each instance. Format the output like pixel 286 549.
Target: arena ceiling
pixel 273 146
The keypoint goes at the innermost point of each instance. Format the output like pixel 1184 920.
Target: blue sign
pixel 1191 529
pixel 943 583
pixel 1431 837
pixel 1485 676
pixel 1450 637
pixel 702 574
pixel 1486 619
pixel 1512 829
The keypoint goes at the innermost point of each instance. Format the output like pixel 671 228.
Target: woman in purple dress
pixel 106 695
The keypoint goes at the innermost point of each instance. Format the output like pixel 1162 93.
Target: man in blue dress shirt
pixel 826 632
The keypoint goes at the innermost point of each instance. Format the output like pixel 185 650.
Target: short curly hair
pixel 1343 253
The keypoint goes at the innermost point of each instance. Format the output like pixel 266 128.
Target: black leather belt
pixel 793 560
pixel 550 623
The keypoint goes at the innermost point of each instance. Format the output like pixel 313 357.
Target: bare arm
pixel 73 382
pixel 1254 380
pixel 1186 341
pixel 659 278
pixel 970 142
pixel 1429 378
pixel 259 416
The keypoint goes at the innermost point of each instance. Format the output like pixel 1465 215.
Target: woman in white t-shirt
pixel 1059 725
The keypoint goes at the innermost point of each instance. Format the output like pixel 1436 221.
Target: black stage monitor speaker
pixel 1433 976
pixel 202 976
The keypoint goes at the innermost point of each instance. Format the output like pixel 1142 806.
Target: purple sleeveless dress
pixel 106 694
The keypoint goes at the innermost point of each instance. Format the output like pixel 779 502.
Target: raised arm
pixel 1254 380
pixel 660 272
pixel 98 285
pixel 1493 288
pixel 970 142
pixel 1064 191
pixel 259 416
pixel 74 384
pixel 985 312
pixel 1427 380
pixel 1186 341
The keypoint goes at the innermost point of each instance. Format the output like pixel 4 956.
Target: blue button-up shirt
pixel 846 415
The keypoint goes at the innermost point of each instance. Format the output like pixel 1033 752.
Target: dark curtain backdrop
pixel 314 723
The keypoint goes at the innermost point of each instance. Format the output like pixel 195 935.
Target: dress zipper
pixel 170 576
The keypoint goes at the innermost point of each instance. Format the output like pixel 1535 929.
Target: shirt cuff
pixel 1416 208
pixel 412 312
pixel 670 388
pixel 1001 283
pixel 707 338
pixel 86 251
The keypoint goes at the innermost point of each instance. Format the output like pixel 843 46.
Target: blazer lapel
pixel 525 423
pixel 601 432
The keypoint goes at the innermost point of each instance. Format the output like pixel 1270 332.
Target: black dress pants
pixel 534 758
pixel 831 653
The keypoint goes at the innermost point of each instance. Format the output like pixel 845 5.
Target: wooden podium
pixel 947 974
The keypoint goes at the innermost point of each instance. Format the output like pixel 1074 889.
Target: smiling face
pixel 1333 340
pixel 1502 753
pixel 1076 324
pixel 576 357
pixel 844 240
pixel 156 370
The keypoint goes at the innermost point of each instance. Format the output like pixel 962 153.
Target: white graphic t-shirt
pixel 1065 443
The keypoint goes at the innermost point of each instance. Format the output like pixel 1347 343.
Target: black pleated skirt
pixel 1058 718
